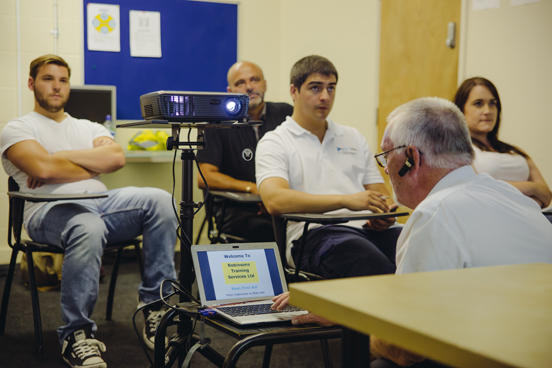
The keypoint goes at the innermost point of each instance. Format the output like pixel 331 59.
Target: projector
pixel 180 106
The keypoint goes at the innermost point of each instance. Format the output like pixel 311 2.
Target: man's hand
pixel 367 200
pixel 281 301
pixel 382 224
pixel 312 318
pixel 262 209
pixel 33 183
pixel 383 349
pixel 103 141
pixel 105 157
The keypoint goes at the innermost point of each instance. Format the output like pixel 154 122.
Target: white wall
pixel 347 33
pixel 36 22
pixel 511 46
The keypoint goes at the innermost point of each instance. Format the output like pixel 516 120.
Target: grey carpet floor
pixel 17 348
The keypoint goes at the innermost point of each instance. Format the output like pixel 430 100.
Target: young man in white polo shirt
pixel 310 164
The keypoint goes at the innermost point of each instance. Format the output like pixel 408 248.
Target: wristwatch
pixel 248 189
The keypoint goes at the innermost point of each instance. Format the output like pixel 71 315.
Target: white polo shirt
pixel 341 164
pixel 473 220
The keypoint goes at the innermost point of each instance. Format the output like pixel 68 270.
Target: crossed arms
pixel 29 156
pixel 535 187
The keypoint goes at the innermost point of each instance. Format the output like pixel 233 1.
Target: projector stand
pixel 177 344
pixel 186 276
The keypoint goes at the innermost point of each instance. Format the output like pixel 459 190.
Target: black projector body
pixel 179 106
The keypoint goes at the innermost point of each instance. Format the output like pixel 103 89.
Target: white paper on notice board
pixel 145 34
pixel 103 27
pixel 485 4
pixel 524 2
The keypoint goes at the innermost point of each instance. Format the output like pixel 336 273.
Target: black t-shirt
pixel 232 150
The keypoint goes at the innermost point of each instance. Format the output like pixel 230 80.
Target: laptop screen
pixel 239 274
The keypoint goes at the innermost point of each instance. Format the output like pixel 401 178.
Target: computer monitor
pixel 92 102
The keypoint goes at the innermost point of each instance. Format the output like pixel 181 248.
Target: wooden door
pixel 414 58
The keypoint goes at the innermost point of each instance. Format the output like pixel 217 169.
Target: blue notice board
pixel 198 45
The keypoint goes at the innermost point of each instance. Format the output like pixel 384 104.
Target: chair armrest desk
pixel 327 219
pixel 216 235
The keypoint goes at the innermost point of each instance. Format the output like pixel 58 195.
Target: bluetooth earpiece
pixel 406 167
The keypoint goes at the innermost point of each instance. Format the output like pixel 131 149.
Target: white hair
pixel 436 127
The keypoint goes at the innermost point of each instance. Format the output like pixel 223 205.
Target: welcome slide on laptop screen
pixel 235 273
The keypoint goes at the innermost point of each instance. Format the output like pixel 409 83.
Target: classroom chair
pixel 16 209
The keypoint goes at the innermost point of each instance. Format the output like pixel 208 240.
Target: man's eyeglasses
pixel 381 159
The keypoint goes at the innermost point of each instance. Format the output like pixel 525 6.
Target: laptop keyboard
pixel 254 309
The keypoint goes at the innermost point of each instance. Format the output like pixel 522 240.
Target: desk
pixel 237 196
pixel 248 336
pixel 280 229
pixel 339 218
pixel 478 317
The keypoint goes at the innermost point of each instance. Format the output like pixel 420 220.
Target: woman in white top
pixel 479 101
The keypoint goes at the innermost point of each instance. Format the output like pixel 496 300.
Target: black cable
pixel 177 288
pixel 189 339
pixel 206 196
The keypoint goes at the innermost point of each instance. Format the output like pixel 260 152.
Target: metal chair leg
pixel 112 285
pixel 267 355
pixel 140 258
pixel 7 291
pixel 326 353
pixel 36 304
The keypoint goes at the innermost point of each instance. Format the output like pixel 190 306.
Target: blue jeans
pixel 84 227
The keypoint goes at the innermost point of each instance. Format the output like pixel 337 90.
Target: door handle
pixel 451 35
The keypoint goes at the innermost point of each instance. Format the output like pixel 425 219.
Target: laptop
pixel 238 281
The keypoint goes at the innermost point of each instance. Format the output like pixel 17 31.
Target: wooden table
pixel 479 317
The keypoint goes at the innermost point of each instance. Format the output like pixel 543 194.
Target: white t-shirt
pixel 70 134
pixel 501 166
pixel 471 220
pixel 341 164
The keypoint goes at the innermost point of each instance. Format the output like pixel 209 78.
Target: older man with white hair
pixel 461 219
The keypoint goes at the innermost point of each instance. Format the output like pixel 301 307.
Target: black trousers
pixel 337 251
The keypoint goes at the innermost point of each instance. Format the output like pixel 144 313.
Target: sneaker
pixel 80 350
pixel 152 316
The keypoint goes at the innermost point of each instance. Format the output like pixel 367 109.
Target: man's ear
pixel 293 91
pixel 30 83
pixel 416 158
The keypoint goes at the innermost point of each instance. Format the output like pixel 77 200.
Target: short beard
pixel 46 106
pixel 258 102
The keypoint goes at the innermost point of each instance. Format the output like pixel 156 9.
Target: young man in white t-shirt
pixel 48 151
pixel 310 164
